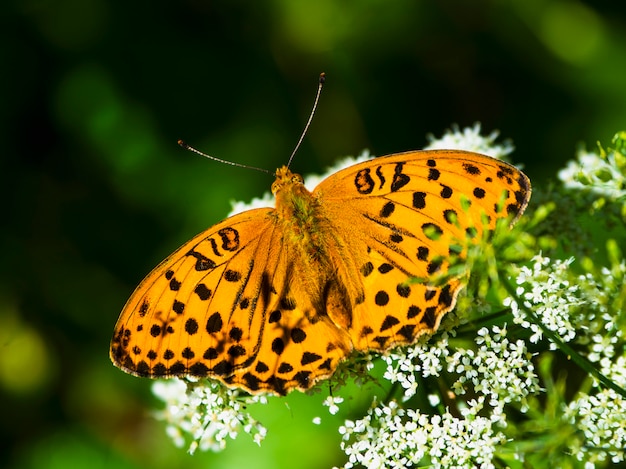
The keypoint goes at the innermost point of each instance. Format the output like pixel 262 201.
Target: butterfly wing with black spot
pixel 402 216
pixel 222 307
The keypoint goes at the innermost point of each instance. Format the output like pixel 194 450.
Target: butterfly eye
pixel 275 187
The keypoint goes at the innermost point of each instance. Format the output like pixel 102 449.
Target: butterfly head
pixel 286 180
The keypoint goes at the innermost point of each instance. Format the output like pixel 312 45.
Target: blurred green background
pixel 96 93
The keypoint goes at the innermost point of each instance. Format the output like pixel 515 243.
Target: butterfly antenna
pixel 306 127
pixel 232 163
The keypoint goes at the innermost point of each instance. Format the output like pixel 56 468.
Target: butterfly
pixel 273 299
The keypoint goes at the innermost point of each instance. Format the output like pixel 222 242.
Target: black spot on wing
pixel 367 269
pixel 479 192
pixel 191 326
pixel 446 192
pixel 389 322
pixel 433 174
pixel 203 292
pixel 232 275
pixel 387 210
pixel 214 323
pixel 471 169
pixel 230 239
pixel 419 200
pixel 429 317
pixel 399 178
pixel 363 182
pixel 202 262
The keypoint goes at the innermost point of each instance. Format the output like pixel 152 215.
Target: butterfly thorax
pixel 298 212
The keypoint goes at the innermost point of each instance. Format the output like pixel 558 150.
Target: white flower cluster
pixel 573 310
pixel 404 364
pixel 546 290
pixel 580 312
pixel 499 369
pixel 470 139
pixel 207 413
pixel 602 174
pixel 600 416
pixel 390 436
pixel 499 372
pixel 601 413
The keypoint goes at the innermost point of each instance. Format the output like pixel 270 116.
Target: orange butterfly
pixel 272 300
